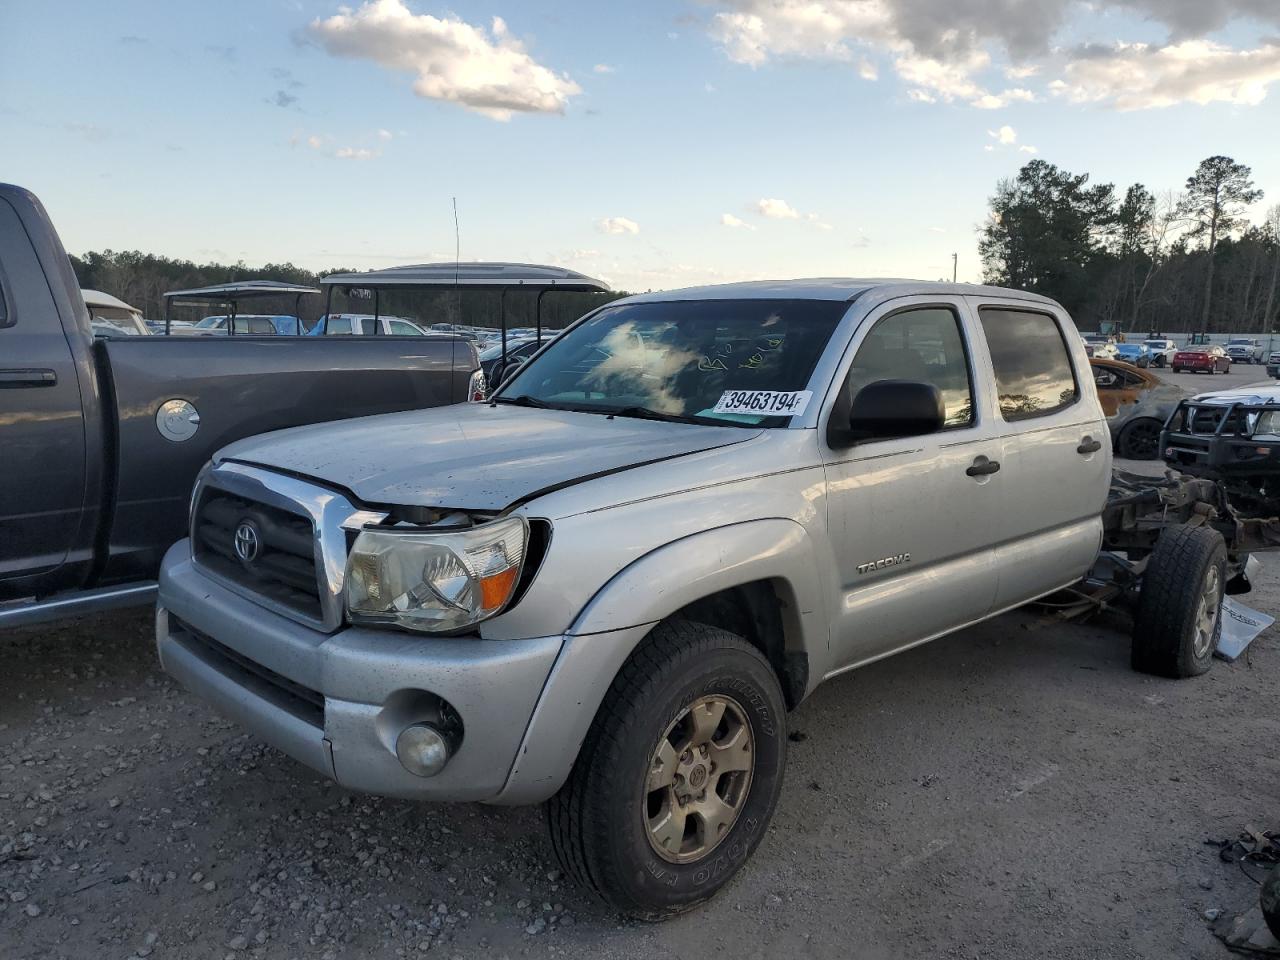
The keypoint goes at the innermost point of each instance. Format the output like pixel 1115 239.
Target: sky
pixel 653 144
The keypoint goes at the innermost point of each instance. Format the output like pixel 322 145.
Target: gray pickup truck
pixel 103 436
pixel 606 588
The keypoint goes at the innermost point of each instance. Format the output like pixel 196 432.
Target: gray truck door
pixel 1057 450
pixel 909 526
pixel 42 435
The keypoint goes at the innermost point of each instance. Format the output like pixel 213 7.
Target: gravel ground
pixel 1011 791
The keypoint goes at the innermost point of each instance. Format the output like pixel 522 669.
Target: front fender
pixel 620 615
pixel 675 575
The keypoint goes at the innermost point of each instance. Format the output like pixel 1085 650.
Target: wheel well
pixel 763 613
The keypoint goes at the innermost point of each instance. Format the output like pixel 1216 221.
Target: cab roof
pixel 836 288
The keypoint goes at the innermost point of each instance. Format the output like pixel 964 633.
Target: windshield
pixel 1158 344
pixel 682 359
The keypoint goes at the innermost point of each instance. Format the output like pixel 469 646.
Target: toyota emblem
pixel 248 541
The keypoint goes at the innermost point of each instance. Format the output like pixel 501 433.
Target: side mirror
pixel 887 409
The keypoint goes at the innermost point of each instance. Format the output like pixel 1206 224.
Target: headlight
pixel 1268 423
pixel 435 582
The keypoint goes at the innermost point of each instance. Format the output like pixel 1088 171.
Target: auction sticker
pixel 767 403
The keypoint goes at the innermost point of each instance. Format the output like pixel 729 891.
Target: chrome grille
pixel 304 529
pixel 283 568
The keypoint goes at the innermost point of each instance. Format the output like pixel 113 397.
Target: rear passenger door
pixel 910 518
pixel 1057 451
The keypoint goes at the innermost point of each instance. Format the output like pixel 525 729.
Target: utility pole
pixel 955 266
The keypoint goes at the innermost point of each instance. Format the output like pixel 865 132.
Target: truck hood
pixel 1255 394
pixel 473 456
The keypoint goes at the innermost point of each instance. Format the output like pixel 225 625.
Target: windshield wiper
pixel 648 413
pixel 524 400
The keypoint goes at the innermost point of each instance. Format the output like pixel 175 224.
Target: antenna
pixel 457 263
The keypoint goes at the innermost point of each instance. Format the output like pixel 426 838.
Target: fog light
pixel 422 749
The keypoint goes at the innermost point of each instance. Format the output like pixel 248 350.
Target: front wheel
pixel 679 775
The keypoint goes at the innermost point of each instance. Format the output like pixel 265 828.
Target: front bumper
pixel 337 702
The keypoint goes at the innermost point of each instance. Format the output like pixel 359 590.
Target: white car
pixel 1160 351
pixel 1099 344
pixel 361 324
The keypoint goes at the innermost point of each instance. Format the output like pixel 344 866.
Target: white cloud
pixel 321 144
pixel 489 72
pixel 384 134
pixel 1139 76
pixel 1005 135
pixel 937 229
pixel 1027 148
pixel 618 226
pixel 776 209
pixel 604 68
pixel 737 223
pixel 946 51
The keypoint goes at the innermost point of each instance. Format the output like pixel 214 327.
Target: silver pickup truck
pixel 606 588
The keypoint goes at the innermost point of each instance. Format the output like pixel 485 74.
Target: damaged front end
pixel 1234 441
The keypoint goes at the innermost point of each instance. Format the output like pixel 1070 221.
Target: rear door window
pixel 1032 366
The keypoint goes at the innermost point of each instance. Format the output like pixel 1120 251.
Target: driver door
pixel 910 518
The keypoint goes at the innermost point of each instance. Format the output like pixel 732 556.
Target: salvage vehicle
pixel 1160 350
pixel 1245 350
pixel 105 435
pixel 1134 353
pixel 1136 404
pixel 1232 436
pixel 606 588
pixel 1101 344
pixel 1209 359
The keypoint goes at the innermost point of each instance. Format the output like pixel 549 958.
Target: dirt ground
pixel 1012 791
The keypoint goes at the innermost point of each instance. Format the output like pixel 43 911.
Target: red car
pixel 1209 358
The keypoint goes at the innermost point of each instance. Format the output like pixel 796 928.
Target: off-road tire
pixel 597 820
pixel 1166 627
pixel 1131 440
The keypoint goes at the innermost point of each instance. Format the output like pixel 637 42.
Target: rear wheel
pixel 679 775
pixel 1179 618
pixel 1140 440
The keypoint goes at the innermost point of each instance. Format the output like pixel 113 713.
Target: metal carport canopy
pixel 471 275
pixel 233 292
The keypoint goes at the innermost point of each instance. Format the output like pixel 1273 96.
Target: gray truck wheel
pixel 679 775
pixel 1179 618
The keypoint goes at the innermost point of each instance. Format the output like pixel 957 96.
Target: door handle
pixel 1088 445
pixel 14 378
pixel 982 467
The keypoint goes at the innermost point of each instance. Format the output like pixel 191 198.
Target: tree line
pixel 1186 261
